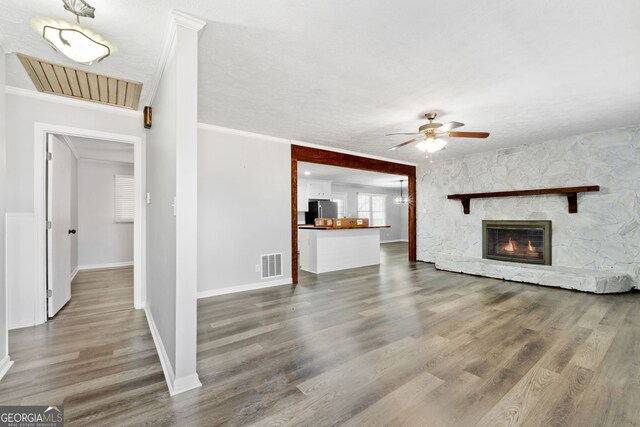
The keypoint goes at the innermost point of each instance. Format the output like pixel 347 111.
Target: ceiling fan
pixel 428 135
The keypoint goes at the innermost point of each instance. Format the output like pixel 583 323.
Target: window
pixel 124 198
pixel 341 201
pixel 373 207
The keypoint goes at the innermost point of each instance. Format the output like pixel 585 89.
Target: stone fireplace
pixel 517 241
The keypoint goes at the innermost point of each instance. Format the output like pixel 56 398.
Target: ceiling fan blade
pixel 409 133
pixel 447 127
pixel 468 134
pixel 403 144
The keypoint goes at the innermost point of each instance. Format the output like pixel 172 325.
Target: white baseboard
pixel 244 288
pixel 175 385
pixel 5 364
pixel 104 266
pixel 73 274
pixel 394 241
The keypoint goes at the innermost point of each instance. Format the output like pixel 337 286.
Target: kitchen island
pixel 325 249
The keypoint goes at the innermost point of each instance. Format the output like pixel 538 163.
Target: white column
pixel 186 56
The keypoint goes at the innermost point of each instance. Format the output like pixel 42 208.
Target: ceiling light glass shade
pixel 401 200
pixel 431 145
pixel 77 43
pixel 434 145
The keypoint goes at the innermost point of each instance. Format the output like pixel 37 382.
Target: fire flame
pixel 511 246
pixel 531 248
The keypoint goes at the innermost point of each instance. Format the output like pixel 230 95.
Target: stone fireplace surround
pixel 604 234
pixel 521 270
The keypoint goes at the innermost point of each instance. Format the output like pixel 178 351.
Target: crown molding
pixel 176 19
pixel 188 21
pixel 46 97
pixel 230 131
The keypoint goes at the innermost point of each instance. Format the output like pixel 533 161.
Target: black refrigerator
pixel 320 209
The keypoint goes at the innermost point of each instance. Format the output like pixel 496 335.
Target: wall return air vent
pixel 271 265
pixel 66 81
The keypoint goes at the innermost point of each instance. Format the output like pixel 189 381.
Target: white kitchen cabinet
pixel 319 190
pixel 312 189
pixel 303 195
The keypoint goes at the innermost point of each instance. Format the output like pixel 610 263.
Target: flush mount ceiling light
pixel 80 44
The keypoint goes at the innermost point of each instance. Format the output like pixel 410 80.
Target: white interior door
pixel 59 216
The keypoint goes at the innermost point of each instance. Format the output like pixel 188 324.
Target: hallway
pixel 95 354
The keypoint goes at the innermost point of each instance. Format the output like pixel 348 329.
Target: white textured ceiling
pixel 340 175
pixel 345 73
pixel 96 149
pixel 135 28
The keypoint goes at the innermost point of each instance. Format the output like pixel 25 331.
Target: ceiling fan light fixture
pixel 80 44
pixel 434 144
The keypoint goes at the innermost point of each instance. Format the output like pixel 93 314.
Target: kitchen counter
pixel 313 227
pixel 325 249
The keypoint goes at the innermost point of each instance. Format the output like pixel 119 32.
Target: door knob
pixel 72 231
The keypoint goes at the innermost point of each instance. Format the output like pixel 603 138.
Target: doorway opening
pixel 88 210
pixel 90 197
pixel 346 193
pixel 307 155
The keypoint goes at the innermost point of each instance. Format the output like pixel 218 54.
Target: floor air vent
pixel 271 265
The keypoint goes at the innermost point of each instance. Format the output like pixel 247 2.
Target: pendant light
pixel 78 43
pixel 401 200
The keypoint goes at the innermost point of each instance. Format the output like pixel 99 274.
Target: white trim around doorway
pixel 41 130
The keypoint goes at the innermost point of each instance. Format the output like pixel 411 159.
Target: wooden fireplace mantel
pixel 570 192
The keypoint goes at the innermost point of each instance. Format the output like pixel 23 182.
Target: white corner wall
pixel 244 209
pixel 5 362
pixel 172 183
pixel 604 232
pixel 101 240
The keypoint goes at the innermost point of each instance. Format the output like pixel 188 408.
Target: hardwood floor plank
pixel 396 344
pixel 515 406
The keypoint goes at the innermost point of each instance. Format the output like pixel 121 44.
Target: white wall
pixel 604 232
pixel 172 225
pixel 161 223
pixel 244 208
pixel 396 214
pixel 4 350
pixel 24 109
pixel 20 271
pixel 101 240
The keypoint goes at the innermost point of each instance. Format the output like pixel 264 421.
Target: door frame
pixel 300 153
pixel 41 130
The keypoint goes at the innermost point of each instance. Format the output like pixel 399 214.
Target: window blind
pixel 124 198
pixel 373 207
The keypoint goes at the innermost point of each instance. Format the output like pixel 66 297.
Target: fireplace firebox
pixel 517 241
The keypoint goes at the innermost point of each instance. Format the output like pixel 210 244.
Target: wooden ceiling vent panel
pixel 74 83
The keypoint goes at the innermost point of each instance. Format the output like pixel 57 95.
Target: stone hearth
pixel 599 282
